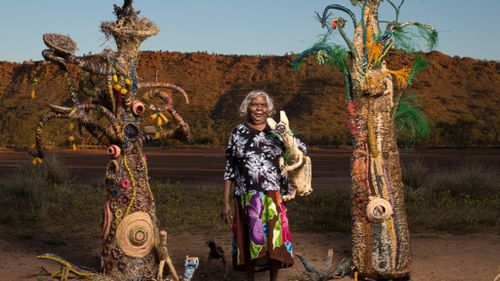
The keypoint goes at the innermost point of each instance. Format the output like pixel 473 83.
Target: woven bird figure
pixel 216 253
pixel 298 167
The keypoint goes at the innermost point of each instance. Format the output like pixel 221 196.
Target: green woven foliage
pixel 411 122
pixel 337 56
pixel 416 37
pixel 287 157
pixel 320 18
pixel 419 65
pixel 326 53
pixel 429 34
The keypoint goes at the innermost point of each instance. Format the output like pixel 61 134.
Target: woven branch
pixel 340 8
pixel 38 149
pixel 150 85
pixel 80 112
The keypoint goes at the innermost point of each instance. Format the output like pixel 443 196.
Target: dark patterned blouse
pixel 252 160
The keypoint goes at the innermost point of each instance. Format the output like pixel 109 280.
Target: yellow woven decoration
pixel 374 49
pixel 372 141
pixel 401 76
pixel 132 181
pixel 135 235
pixel 36 161
pixel 387 50
pixel 163 117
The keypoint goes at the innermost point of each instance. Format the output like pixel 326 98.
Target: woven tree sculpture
pixel 380 236
pixel 130 228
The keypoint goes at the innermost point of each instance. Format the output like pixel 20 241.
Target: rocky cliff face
pixel 460 95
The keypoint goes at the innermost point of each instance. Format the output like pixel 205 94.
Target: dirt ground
pixel 441 257
pixel 444 257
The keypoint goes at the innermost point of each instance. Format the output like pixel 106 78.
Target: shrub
pixel 469 179
pixel 414 173
pixel 461 200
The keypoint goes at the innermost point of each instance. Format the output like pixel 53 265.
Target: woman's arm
pixel 229 174
pixel 226 212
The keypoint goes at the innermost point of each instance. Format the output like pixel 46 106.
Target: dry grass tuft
pixel 461 200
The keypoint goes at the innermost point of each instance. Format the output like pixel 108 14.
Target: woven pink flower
pixel 125 184
pixel 351 108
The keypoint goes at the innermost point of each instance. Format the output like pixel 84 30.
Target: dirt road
pixel 195 167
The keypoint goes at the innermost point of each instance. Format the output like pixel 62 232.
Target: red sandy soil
pixel 435 256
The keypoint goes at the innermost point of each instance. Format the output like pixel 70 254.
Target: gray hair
pixel 256 93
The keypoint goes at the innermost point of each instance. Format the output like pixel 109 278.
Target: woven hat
pixel 379 209
pixel 60 43
pixel 135 235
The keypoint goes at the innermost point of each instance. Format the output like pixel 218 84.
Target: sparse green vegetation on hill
pixel 460 96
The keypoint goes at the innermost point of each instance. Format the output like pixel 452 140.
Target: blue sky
pixel 269 27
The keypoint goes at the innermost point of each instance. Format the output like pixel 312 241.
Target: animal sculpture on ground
pixel 216 252
pixel 329 271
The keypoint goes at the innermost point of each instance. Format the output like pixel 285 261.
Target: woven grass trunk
pixel 130 226
pixel 381 249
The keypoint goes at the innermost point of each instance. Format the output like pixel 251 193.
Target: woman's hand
pixel 226 212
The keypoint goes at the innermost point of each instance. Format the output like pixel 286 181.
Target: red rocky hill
pixel 460 95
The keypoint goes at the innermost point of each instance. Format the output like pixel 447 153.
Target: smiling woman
pixel 261 234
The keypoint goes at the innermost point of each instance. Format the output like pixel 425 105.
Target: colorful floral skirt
pixel 261 232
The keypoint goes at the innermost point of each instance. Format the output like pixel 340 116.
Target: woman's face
pixel 258 110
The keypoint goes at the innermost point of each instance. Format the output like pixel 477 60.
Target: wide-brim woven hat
pixel 135 235
pixel 60 43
